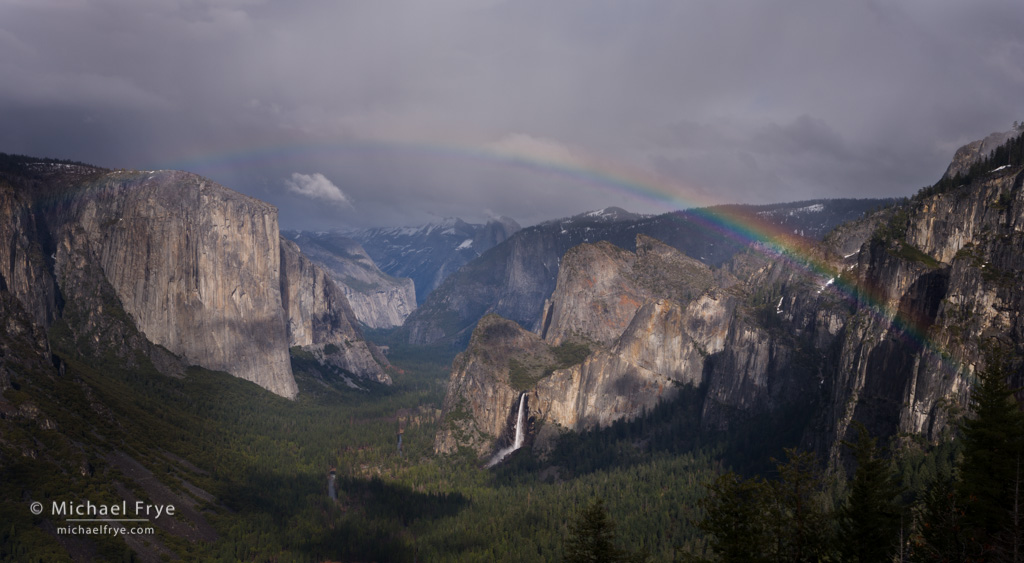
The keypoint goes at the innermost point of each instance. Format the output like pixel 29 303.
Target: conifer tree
pixel 736 519
pixel 941 536
pixel 801 515
pixel 789 519
pixel 593 538
pixel 990 473
pixel 869 524
pixel 992 447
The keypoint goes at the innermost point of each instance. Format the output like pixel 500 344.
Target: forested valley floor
pixel 265 461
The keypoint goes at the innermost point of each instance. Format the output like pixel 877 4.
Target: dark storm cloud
pixel 397 104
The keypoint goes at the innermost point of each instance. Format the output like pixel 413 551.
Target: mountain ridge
pixel 429 253
pixel 514 278
pixel 821 334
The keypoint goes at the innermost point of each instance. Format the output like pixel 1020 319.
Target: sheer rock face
pixel 27 290
pixel 601 287
pixel 171 265
pixel 196 266
pixel 377 299
pixel 595 295
pixel 643 347
pixel 596 393
pixel 319 316
pixel 24 271
pixel 476 409
pixel 908 358
pixel 656 320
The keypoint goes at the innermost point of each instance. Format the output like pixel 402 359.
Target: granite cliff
pixel 516 277
pixel 192 263
pixel 169 264
pixel 946 281
pixel 884 322
pixel 320 319
pixel 377 299
pixel 623 330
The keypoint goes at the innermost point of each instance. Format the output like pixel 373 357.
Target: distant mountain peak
pixel 429 253
pixel 612 214
pixel 605 215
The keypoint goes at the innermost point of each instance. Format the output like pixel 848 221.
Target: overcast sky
pixel 352 114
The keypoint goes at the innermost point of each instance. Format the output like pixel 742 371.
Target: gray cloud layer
pixel 402 104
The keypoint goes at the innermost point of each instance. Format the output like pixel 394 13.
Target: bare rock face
pixel 884 323
pixel 163 270
pixel 377 299
pixel 196 267
pixel 946 286
pixel 601 286
pixel 319 317
pixel 639 344
pixel 976 151
pixel 27 293
pixel 23 264
pixel 516 277
pixel 595 296
pixel 604 388
pixel 480 392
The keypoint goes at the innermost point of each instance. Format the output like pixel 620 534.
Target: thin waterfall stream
pixel 520 435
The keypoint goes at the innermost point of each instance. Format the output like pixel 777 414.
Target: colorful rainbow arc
pixel 730 221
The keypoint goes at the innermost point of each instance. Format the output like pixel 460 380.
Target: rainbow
pixel 732 222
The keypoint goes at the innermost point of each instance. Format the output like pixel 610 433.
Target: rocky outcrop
pixel 319 318
pixel 624 331
pixel 974 152
pixel 377 299
pixel 596 296
pixel 762 336
pixel 515 278
pixel 168 265
pixel 601 287
pixel 945 283
pixel 480 393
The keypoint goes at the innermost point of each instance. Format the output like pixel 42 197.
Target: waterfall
pixel 520 432
pixel 520 435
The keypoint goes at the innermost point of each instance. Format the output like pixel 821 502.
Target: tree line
pixel 974 514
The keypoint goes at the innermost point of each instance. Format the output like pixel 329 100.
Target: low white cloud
pixel 316 186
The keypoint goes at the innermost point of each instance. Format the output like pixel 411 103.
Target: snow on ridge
pixel 465 244
pixel 814 208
